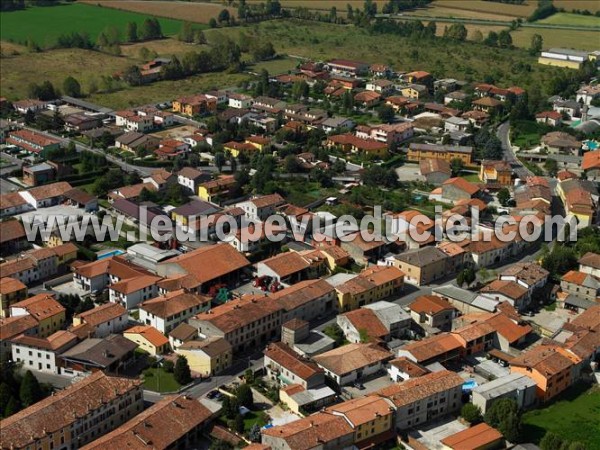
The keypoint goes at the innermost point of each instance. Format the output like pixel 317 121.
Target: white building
pixel 167 311
pixel 41 354
pixel 240 101
pixel 129 293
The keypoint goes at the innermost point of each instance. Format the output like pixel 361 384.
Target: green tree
pixel 30 390
pixel 503 196
pixel 386 114
pixel 456 165
pixel 131 32
pixel 224 16
pixel 239 423
pixel 471 413
pixel 477 36
pixel 456 31
pixel 551 166
pixel 504 39
pixel 212 22
pixel 335 332
pixel 71 87
pixel 291 164
pixel 244 395
pixel 220 160
pixel 537 44
pixel 182 373
pixel 254 433
pixel 505 417
pixel 186 34
pixel 551 441
pixel 13 406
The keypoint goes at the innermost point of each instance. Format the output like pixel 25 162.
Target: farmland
pixel 582 40
pixel 45 24
pixel 572 19
pixel 192 12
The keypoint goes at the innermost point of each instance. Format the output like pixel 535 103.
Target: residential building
pixel 433 312
pixel 76 415
pixel 290 267
pixel 11 291
pixel 195 105
pixel 337 123
pixel 167 311
pixel 477 437
pixel 380 321
pixel 181 334
pixel 418 152
pixel 215 190
pixel 435 171
pixel 529 275
pixel 111 354
pixel 148 339
pixel 240 101
pixel 590 165
pixel 286 367
pixel 578 197
pixel 370 285
pixel 347 67
pixel 46 195
pixel 207 357
pixel 552 118
pixel 508 291
pixel 352 362
pixel 33 142
pixel 590 263
pixel 42 354
pixel 422 266
pixel 172 422
pixel 136 142
pixel 39 264
pixel 33 105
pixel 456 189
pixel 13 238
pixel 424 399
pixel 559 142
pixel 301 400
pixel 13 203
pixel 394 133
pixel 246 323
pixel 586 94
pixel 487 104
pixel 190 178
pixel 403 368
pixel 131 121
pixel 350 143
pixel 132 291
pixel 516 386
pixel 12 327
pixel 439 348
pixel 260 208
pixel 306 300
pixel 382 86
pixel 99 322
pixel 581 284
pixel 38 174
pixel 44 308
pixel 496 174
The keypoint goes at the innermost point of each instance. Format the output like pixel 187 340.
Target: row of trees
pixel 18 392
pixel 503 415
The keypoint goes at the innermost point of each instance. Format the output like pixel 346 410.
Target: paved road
pixel 503 134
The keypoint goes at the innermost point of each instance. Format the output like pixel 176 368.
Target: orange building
pixel 496 173
pixel 194 105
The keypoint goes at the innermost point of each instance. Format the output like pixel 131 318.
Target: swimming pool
pixel 590 145
pixel 110 253
pixel 469 385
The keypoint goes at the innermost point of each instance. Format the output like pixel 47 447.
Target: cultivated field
pixel 572 19
pixel 192 12
pixel 324 4
pixel 275 66
pixel 45 24
pixel 570 5
pixel 581 40
pixel 163 47
pixel 500 9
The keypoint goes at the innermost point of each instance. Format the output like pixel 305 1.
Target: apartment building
pixel 207 357
pixel 76 415
pixel 432 311
pixel 11 291
pixel 287 367
pixel 369 286
pixel 44 308
pixel 42 354
pixel 167 311
pixel 419 152
pixel 39 264
pixel 306 300
pixel 99 322
pixel 422 266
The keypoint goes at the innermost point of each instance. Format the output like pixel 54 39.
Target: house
pixel 269 105
pixel 290 267
pixel 260 142
pixel 171 148
pixel 552 118
pixel 529 275
pixel 347 67
pixel 137 142
pixel 286 367
pixel 207 357
pixel 550 366
pixel 457 255
pixel 131 192
pixel 13 238
pixel 435 171
pixel 352 362
pixel 380 70
pixel 195 105
pixel 403 368
pixel 238 320
pixel 306 300
pixel 98 404
pixel 569 107
pixel 148 339
pixel 298 399
pixel 495 173
pixel 167 311
pixel 184 417
pixel 364 250
pixel 181 334
pixel 219 188
pixel 581 284
pixel 99 322
pixel 13 203
pixel 367 99
pixel 455 96
pixel 508 291
pixel 590 165
pixel 111 354
pixel 38 174
pixel 381 85
pixel 453 124
pixel 478 437
pixel 100 274
pixel 130 292
pixel 443 347
pixel 237 148
pixel 42 354
pixel 487 104
pixel 351 143
pixel 458 188
pixel 419 76
pixel 11 291
pixel 190 178
pixel 394 133
pixel 131 121
pixel 12 327
pixel 432 311
pixel 46 195
pixel 422 266
pixel 380 321
pixel 39 264
pixel 586 94
pixel 209 265
pixel 262 207
pixel 370 285
pixel 27 105
pixel 578 198
pixel 33 142
pixel 337 123
pixel 43 307
pixel 160 179
pixel 423 399
pixel 519 387
pixel 239 101
pixel 559 142
pixel 419 152
pixel 414 91
pixel 590 263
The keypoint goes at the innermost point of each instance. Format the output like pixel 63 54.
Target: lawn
pixel 158 380
pixel 572 19
pixel 275 66
pixel 45 24
pixel 574 417
pixel 253 417
pixel 527 133
pixel 581 40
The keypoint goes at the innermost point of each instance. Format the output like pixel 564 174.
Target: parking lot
pixel 409 172
pixel 370 386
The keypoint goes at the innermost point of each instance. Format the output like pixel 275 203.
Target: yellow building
pixel 207 357
pixel 260 142
pixel 44 308
pixel 148 339
pixel 65 253
pixel 496 173
pixel 194 105
pixel 371 285
pixel 237 148
pixel 414 92
pixel 419 152
pixel 213 189
pixel 11 291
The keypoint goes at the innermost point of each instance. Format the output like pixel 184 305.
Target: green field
pixel 575 417
pixel 45 24
pixel 572 19
pixel 581 40
pixel 159 380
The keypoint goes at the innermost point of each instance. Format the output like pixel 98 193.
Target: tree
pixel 505 417
pixel 239 423
pixel 456 165
pixel 254 433
pixel 30 391
pixel 220 160
pixel 150 29
pixel 132 75
pixel 186 34
pixel 13 406
pixel 504 39
pixel 335 332
pixel 551 166
pixel 551 441
pixel 212 22
pixel 386 114
pixel 477 36
pixel 224 16
pixel 244 395
pixel 537 44
pixel 456 31
pixel 71 87
pixel 182 373
pixel 471 413
pixel 492 39
pixel 131 32
pixel 169 366
pixel 291 164
pixel 503 196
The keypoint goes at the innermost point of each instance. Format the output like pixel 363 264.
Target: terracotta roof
pixel 54 342
pixel 430 304
pixel 555 115
pixel 474 438
pixel 580 278
pixel 367 96
pixel 590 259
pixel 510 289
pixel 11 200
pixel 591 160
pixel 134 190
pixel 336 252
pixel 101 314
pixel 360 411
pixel 312 431
pixel 190 172
pixel 507 328
pixel 351 357
pixel 589 319
pixel 11 230
pixel 62 409
pixel 149 333
pixel 134 284
pixel 429 166
pixel 432 347
pixel 173 303
pixel 212 346
pixel 366 319
pixel 408 366
pixel 420 388
pixel 13 326
pixel 40 306
pixel 286 264
pixel 462 184
pixel 302 293
pixel 292 361
pixel 474 331
pixel 116 266
pixel 487 101
pixel 9 285
pixel 546 359
pixel 177 414
pixel 295 324
pixel 265 201
pixel 183 332
pixel 50 190
pixel 176 282
pixel 209 263
pixel 530 273
pixel 371 278
pixel 32 137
